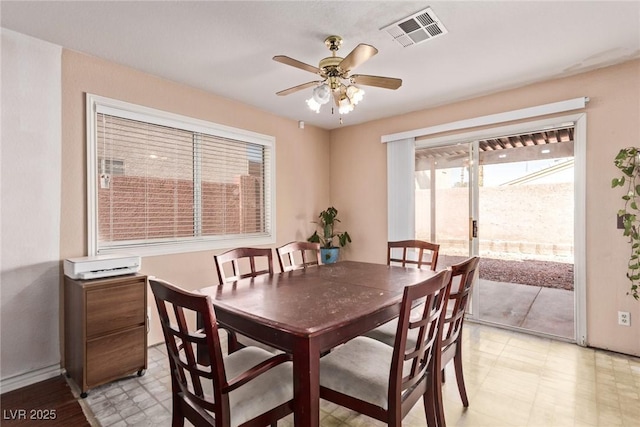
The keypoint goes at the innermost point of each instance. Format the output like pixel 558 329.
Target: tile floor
pixel 512 380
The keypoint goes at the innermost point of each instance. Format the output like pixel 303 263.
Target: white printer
pixel 94 267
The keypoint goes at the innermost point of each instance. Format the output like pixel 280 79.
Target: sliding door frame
pixel 579 122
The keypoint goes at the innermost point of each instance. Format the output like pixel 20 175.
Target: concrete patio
pixel 535 308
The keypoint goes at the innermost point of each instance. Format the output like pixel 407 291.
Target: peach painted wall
pixel 302 183
pixel 359 182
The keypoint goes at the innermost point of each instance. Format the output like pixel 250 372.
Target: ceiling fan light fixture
pixel 355 94
pixel 338 79
pixel 322 94
pixel 313 105
pixel 344 105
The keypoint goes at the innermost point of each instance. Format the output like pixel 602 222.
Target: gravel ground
pixel 547 274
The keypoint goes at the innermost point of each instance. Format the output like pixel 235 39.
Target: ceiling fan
pixel 334 70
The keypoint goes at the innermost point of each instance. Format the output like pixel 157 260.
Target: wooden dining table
pixel 308 312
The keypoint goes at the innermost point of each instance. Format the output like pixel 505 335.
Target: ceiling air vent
pixel 417 28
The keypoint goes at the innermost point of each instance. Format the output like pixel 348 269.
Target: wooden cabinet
pixel 105 329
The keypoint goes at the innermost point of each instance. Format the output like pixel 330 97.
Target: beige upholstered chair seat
pixel 271 389
pixel 367 363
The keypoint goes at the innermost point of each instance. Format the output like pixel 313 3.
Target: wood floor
pixel 48 403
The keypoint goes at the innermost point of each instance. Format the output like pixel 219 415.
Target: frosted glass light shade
pixel 344 105
pixel 322 94
pixel 313 105
pixel 355 94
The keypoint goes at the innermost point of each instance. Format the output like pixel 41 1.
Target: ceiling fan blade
pixel 297 88
pixel 295 63
pixel 377 81
pixel 360 54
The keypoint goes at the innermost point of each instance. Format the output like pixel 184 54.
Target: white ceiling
pixel 226 47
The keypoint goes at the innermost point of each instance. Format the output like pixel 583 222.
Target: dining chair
pixel 298 255
pixel 385 382
pixel 420 246
pixel 236 260
pixel 464 273
pixel 250 387
pixel 462 281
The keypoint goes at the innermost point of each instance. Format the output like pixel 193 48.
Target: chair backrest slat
pixel 234 256
pixel 298 255
pixel 418 245
pixel 453 321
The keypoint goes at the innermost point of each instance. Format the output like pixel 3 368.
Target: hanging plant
pixel 628 161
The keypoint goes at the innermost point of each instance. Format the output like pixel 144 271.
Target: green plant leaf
pixel 314 238
pixel 344 238
pixel 628 162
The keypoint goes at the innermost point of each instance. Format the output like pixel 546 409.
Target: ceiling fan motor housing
pixel 330 62
pixel 330 69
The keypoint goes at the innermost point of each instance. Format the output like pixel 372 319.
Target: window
pixel 162 183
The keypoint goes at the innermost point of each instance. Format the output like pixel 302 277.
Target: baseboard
pixel 22 380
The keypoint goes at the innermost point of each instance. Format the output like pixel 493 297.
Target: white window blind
pixel 177 187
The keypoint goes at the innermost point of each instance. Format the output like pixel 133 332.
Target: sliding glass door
pixel 509 200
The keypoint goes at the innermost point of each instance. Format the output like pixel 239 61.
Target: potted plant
pixel 628 161
pixel 327 221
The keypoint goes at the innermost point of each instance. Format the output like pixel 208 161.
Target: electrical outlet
pixel 624 318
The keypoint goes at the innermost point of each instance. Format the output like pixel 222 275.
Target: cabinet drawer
pixel 116 355
pixel 115 307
